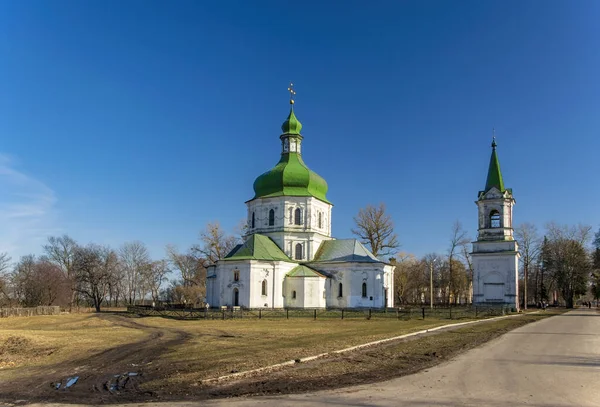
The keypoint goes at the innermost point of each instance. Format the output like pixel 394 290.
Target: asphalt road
pixel 553 362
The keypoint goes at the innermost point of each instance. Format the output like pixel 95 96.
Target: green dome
pixel 290 177
pixel 291 125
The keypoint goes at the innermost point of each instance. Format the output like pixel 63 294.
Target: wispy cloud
pixel 27 210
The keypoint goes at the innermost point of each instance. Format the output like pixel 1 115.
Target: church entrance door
pixel 236 297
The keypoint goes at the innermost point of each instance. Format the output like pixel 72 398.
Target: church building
pixel 495 253
pixel 288 258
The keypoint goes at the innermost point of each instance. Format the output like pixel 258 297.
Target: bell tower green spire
pixel 494 177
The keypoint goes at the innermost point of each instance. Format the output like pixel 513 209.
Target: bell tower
pixel 495 253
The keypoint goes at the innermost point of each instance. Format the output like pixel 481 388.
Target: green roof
pixel 494 177
pixel 291 176
pixel 257 247
pixel 304 271
pixel 339 250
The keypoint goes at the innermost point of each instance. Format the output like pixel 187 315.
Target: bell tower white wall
pixel 495 253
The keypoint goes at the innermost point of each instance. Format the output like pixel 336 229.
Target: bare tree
pixel 4 262
pixel 134 259
pixel 94 266
pixel 4 267
pixel 580 233
pixel 459 238
pixel 61 250
pixel 154 275
pixel 216 243
pixel 375 228
pixel 39 282
pixel 402 263
pixel 529 247
pixel 566 258
pixel 117 285
pixel 189 265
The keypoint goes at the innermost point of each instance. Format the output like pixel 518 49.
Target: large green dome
pixel 291 176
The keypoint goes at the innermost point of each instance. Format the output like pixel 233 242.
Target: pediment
pixel 495 193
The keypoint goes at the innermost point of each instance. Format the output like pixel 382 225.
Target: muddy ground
pixel 103 378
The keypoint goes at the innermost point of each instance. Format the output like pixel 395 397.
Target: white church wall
pixel 308 292
pixel 377 276
pixel 284 210
pixel 314 292
pixel 294 292
pixel 273 273
pixel 284 232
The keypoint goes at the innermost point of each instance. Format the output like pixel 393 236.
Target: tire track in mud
pixel 97 371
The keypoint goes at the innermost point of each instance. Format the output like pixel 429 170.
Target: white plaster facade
pixel 291 221
pixel 496 252
pixel 378 280
pixel 310 292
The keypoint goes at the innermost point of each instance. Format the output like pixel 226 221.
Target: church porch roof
pixel 257 247
pixel 344 250
pixel 304 271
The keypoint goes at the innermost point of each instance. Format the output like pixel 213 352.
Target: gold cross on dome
pixel 292 93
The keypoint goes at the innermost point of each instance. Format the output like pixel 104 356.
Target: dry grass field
pixel 170 357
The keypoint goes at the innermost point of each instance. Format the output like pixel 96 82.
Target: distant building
pixel 288 258
pixel 495 253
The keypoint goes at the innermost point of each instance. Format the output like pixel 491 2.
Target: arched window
pixel 236 275
pixel 494 219
pixel 320 220
pixel 298 252
pixel 294 294
pixel 298 216
pixel 253 220
pixel 291 216
pixel 264 288
pixel 364 290
pixel 340 291
pixel 271 217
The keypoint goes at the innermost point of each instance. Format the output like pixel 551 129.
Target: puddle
pixel 68 383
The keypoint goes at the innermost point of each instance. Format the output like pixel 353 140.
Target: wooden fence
pixel 29 312
pixel 319 314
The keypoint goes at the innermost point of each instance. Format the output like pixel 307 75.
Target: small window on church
pixel 236 275
pixel 253 220
pixel 298 252
pixel 298 216
pixel 264 288
pixel 320 220
pixel 271 217
pixel 294 295
pixel 364 290
pixel 340 291
pixel 494 219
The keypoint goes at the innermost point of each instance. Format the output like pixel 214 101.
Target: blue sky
pixel 144 120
